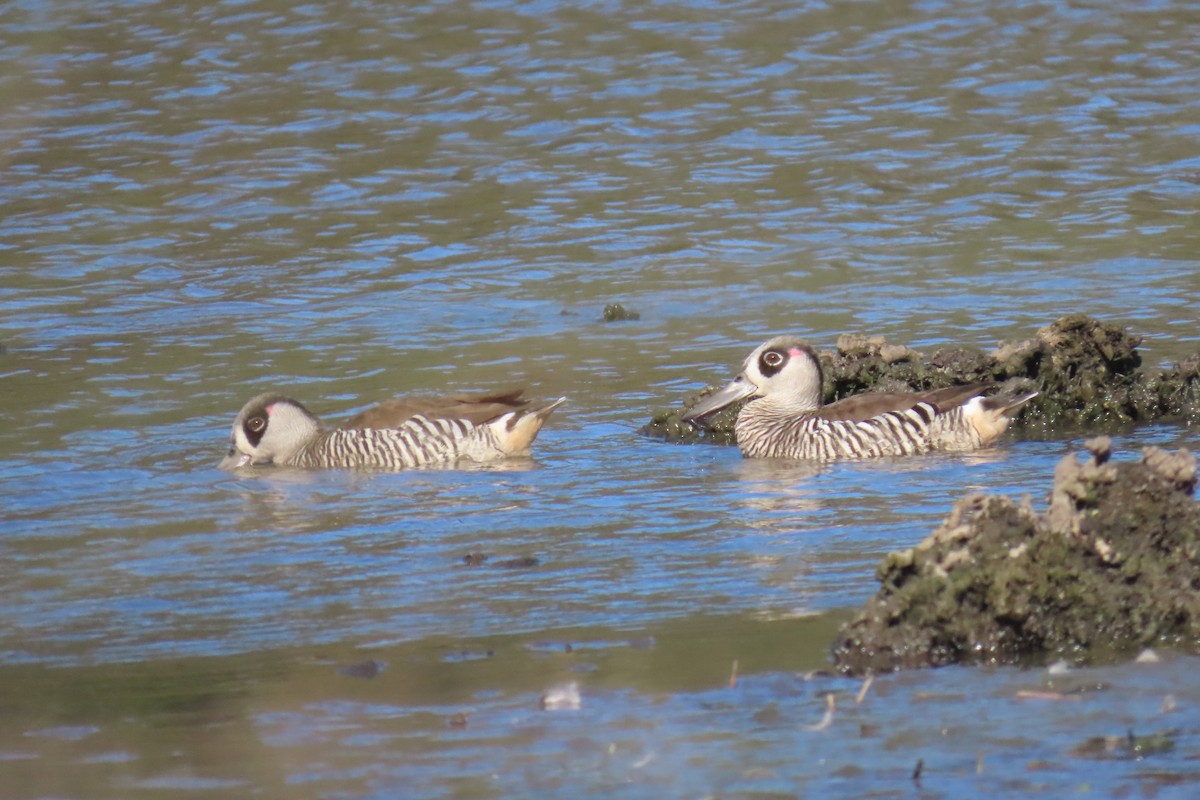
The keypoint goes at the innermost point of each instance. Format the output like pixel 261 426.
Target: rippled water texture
pixel 343 201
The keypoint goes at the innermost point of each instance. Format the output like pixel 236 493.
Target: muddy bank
pixel 1111 567
pixel 1088 374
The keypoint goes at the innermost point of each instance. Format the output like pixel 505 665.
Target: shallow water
pixel 342 202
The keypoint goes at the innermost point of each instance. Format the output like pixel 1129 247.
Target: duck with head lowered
pixel 397 434
pixel 785 417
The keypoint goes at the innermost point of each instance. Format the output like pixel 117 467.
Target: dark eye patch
pixel 253 427
pixel 771 362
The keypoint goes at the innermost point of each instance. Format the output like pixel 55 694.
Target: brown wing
pixel 476 408
pixel 860 407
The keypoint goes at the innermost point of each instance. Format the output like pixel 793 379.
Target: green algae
pixel 1111 567
pixel 615 312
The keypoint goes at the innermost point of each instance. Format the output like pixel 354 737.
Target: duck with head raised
pixel 398 434
pixel 785 417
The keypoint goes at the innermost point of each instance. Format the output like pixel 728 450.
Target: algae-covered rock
pixel 1111 567
pixel 615 312
pixel 1087 374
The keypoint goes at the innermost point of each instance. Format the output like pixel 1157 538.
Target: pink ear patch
pixel 270 409
pixel 795 351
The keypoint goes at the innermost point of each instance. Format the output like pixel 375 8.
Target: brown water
pixel 345 201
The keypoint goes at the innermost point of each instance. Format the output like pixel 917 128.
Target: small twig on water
pixel 826 720
pixel 862 693
pixel 733 675
pixel 917 770
pixel 1037 694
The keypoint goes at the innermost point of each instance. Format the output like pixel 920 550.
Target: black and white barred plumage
pixel 273 429
pixel 920 429
pixel 786 419
pixel 416 443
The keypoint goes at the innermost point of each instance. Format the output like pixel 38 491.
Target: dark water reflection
pixel 344 201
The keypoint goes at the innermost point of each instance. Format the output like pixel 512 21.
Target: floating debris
pixel 827 719
pixel 615 312
pixel 862 692
pixel 562 698
pixel 1147 656
pixel 1041 694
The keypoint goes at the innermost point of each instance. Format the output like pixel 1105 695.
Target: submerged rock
pixel 1113 566
pixel 1087 374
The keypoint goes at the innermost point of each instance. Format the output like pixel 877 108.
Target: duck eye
pixel 772 358
pixel 256 424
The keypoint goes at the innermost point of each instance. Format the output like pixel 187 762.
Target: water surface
pixel 202 201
